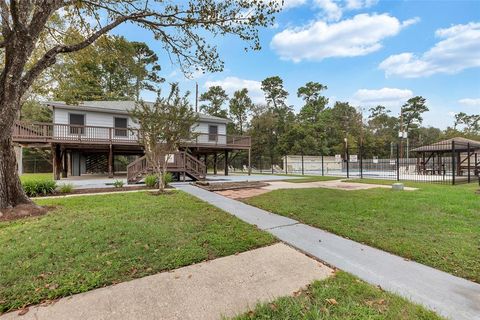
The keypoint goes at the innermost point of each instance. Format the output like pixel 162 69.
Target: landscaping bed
pixel 437 225
pixel 89 242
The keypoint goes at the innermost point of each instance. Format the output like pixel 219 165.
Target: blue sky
pixel 367 52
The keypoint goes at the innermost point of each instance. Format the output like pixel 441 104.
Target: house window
pixel 120 125
pixel 77 123
pixel 212 133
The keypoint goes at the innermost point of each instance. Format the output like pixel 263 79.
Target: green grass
pixel 352 299
pixel 90 242
pixel 35 176
pixel 438 225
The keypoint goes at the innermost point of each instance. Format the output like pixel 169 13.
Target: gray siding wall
pixel 101 119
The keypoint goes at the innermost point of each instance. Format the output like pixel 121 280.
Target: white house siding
pixel 106 120
pixel 202 127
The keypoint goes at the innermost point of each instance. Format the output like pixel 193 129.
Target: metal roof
pixel 118 107
pixel 461 144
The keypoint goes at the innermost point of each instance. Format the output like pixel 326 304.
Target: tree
pixel 30 43
pixel 264 137
pixel 147 68
pixel 110 69
pixel 276 97
pixel 240 106
pixel 215 98
pixel 411 112
pixel 275 94
pixel 315 103
pixel 163 126
pixel 471 123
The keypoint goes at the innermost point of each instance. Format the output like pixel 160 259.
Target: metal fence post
pixel 302 166
pixel 348 169
pixel 454 165
pixel 468 161
pixel 322 165
pixel 398 162
pixel 361 160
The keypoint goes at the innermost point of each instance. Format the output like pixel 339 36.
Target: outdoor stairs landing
pixel 178 162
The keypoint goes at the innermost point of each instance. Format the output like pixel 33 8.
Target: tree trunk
pixel 11 192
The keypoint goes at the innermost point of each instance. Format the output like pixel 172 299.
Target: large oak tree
pixel 30 43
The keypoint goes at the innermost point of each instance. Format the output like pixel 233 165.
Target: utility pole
pixel 196 96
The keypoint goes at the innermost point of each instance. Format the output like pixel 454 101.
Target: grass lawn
pixel 93 241
pixel 36 176
pixel 438 225
pixel 340 297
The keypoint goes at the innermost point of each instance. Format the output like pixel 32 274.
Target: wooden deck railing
pixel 34 132
pixel 179 161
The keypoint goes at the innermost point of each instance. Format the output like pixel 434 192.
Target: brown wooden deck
pixel 35 133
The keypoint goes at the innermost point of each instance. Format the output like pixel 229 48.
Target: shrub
pixel 65 188
pixel 167 178
pixel 118 184
pixel 34 188
pixel 151 181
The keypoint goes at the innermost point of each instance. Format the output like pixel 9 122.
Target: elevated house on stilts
pixel 86 138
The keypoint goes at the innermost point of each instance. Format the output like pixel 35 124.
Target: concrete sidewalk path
pixel 331 184
pixel 226 286
pixel 449 296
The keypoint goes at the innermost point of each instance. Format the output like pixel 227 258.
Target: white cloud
pixel 470 102
pixel 458 50
pixel 334 9
pixel 360 4
pixel 358 36
pixel 232 84
pixel 388 97
pixel 330 8
pixel 287 4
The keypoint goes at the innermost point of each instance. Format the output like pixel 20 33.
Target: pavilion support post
pixel 454 166
pixel 110 162
pixel 215 159
pixel 57 161
pixel 226 162
pixel 468 162
pixel 249 161
pixel 65 164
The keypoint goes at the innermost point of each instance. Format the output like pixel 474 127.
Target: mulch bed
pixel 95 190
pixel 220 186
pixel 24 211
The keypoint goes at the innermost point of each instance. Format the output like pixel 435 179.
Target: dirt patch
pixel 242 193
pixel 96 190
pixel 220 186
pixel 24 211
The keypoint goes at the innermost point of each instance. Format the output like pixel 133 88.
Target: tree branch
pixel 49 58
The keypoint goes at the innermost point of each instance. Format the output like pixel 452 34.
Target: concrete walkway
pixel 450 296
pixel 225 286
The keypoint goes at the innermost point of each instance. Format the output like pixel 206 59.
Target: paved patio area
pixel 225 286
pixel 332 184
pixel 450 296
pixel 102 181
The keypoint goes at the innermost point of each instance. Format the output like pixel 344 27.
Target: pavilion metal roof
pixel 461 144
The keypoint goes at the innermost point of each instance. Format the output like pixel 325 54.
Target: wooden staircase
pixel 179 162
